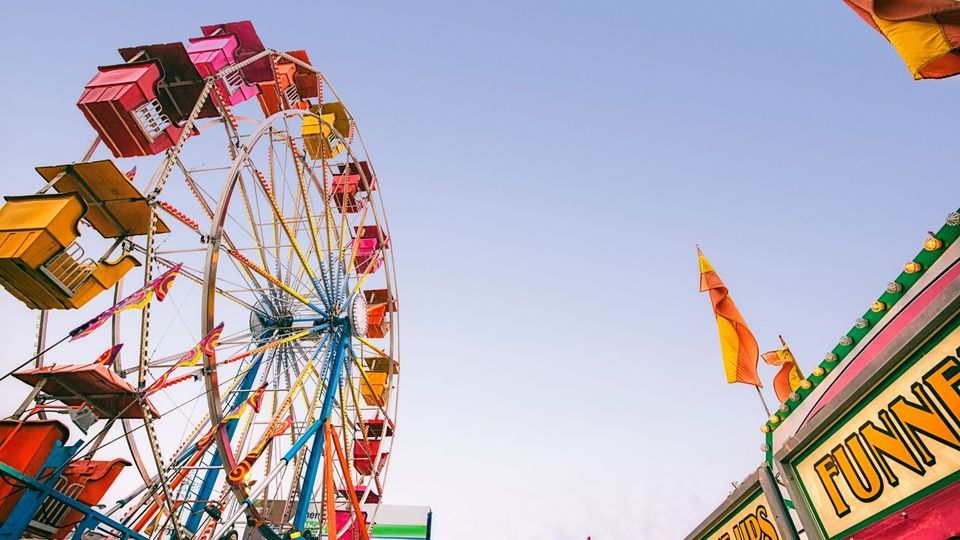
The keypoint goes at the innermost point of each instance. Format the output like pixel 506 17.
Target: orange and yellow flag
pixel 925 33
pixel 788 378
pixel 739 347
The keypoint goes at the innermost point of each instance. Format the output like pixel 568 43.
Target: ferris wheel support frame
pixel 211 475
pixel 316 450
pixel 214 239
pixel 158 486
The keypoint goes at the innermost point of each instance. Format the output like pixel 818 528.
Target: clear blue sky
pixel 548 168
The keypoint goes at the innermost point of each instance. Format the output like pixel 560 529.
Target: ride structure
pixel 250 379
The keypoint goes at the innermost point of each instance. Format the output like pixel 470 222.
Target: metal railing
pixel 151 118
pixel 234 81
pixel 67 271
pixel 292 96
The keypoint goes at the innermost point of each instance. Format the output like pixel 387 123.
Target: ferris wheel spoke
pixel 282 268
pixel 254 232
pixel 299 167
pixel 313 248
pixel 246 273
pixel 193 276
pixel 317 376
pixel 373 347
pixel 324 190
pixel 302 202
pixel 281 180
pixel 278 215
pixel 261 247
pixel 272 279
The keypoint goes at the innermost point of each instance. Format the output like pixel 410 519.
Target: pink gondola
pixel 211 54
pixel 369 249
pixel 121 103
pixel 250 45
pixel 348 183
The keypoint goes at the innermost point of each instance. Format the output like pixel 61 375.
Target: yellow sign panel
pixel 901 443
pixel 752 521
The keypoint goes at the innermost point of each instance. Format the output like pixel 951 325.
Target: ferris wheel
pixel 250 379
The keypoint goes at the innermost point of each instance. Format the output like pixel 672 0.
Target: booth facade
pixel 868 446
pixel 754 511
pixel 873 452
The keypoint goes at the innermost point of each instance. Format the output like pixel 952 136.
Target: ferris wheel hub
pixel 359 322
pixel 274 315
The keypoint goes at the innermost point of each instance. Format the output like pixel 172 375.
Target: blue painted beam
pixel 45 491
pixel 210 477
pixel 316 450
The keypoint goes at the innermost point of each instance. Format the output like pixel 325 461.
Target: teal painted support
pixel 210 477
pixel 89 523
pixel 44 490
pixel 30 501
pixel 316 450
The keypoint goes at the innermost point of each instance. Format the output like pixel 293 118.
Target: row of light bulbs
pixel 932 243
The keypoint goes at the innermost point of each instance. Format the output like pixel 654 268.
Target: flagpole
pixel 38 355
pixel 759 393
pixel 763 401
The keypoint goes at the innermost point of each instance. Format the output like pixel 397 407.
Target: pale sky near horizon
pixel 547 168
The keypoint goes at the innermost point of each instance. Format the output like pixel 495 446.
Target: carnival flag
pixel 926 33
pixel 206 347
pixel 138 300
pixel 737 344
pixel 240 471
pixel 109 355
pixel 207 438
pixel 131 174
pixel 788 378
pixel 254 401
pixel 281 428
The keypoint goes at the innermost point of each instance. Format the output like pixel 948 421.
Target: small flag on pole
pixel 788 378
pixel 206 347
pixel 254 401
pixel 737 344
pixel 240 471
pixel 109 355
pixel 131 173
pixel 138 300
pixel 281 428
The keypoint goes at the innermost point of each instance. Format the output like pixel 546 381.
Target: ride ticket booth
pixel 871 450
pixel 754 511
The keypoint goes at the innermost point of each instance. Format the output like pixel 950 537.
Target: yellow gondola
pixel 40 262
pixel 377 372
pixel 317 135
